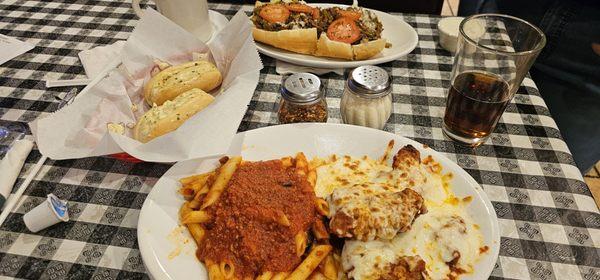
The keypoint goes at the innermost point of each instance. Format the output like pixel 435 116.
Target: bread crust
pixel 369 49
pixel 305 41
pixel 295 40
pixel 165 118
pixel 173 81
pixel 330 48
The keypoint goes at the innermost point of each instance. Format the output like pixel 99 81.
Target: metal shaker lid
pixel 301 88
pixel 369 81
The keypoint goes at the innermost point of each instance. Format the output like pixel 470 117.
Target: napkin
pixel 11 165
pixel 284 68
pixel 11 48
pixel 94 60
pixel 80 129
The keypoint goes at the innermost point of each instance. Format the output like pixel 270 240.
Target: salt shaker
pixel 366 100
pixel 302 100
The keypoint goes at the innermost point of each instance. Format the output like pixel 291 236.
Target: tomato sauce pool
pixel 244 230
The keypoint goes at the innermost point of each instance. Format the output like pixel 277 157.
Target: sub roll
pixel 162 119
pixel 175 80
pixel 350 33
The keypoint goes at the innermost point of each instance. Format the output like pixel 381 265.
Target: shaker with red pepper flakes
pixel 302 100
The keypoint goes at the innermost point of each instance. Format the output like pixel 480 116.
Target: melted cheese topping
pixel 438 236
pixel 346 171
pixel 368 19
pixel 378 212
pixel 365 259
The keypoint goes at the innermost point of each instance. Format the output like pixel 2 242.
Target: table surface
pixel 549 222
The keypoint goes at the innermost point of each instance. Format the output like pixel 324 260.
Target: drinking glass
pixel 494 53
pixel 192 15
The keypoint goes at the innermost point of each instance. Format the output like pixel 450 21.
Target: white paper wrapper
pixel 80 129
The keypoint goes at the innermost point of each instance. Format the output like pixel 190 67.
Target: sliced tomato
pixel 354 15
pixel 316 13
pixel 300 8
pixel 274 13
pixel 343 30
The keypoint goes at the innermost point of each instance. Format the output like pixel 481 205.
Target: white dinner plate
pixel 400 34
pixel 159 215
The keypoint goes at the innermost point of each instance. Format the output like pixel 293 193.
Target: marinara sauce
pixel 244 228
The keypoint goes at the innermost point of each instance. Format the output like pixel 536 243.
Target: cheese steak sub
pixel 350 33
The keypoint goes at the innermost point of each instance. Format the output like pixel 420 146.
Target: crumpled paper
pixel 80 129
pixel 94 60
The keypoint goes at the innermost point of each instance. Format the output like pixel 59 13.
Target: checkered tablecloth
pixel 549 223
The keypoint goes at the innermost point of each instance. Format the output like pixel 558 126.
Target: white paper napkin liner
pixel 79 130
pixel 284 68
pixel 12 163
pixel 11 48
pixel 95 59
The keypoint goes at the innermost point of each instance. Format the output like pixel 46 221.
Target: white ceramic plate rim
pixel 157 264
pixel 402 46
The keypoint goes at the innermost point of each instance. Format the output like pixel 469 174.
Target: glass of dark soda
pixel 494 54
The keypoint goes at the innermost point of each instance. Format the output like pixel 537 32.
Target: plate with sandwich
pixel 330 35
pixel 319 201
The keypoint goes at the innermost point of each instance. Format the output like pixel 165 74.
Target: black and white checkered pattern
pixel 549 223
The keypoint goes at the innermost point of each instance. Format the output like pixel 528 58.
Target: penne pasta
pixel 214 273
pixel 188 193
pixel 319 230
pixel 225 173
pixel 337 258
pixel 329 268
pixel 204 190
pixel 301 164
pixel 267 275
pixel 282 219
pixel 280 276
pixel 308 265
pixel 195 178
pixel 190 179
pixel 196 202
pixel 227 269
pixel 197 232
pixel 195 217
pixel 322 206
pixel 191 190
pixel 184 210
pixel 201 191
pixel 316 275
pixel 337 261
pixel 301 241
pixel 287 162
pixel 312 177
pixel 201 182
